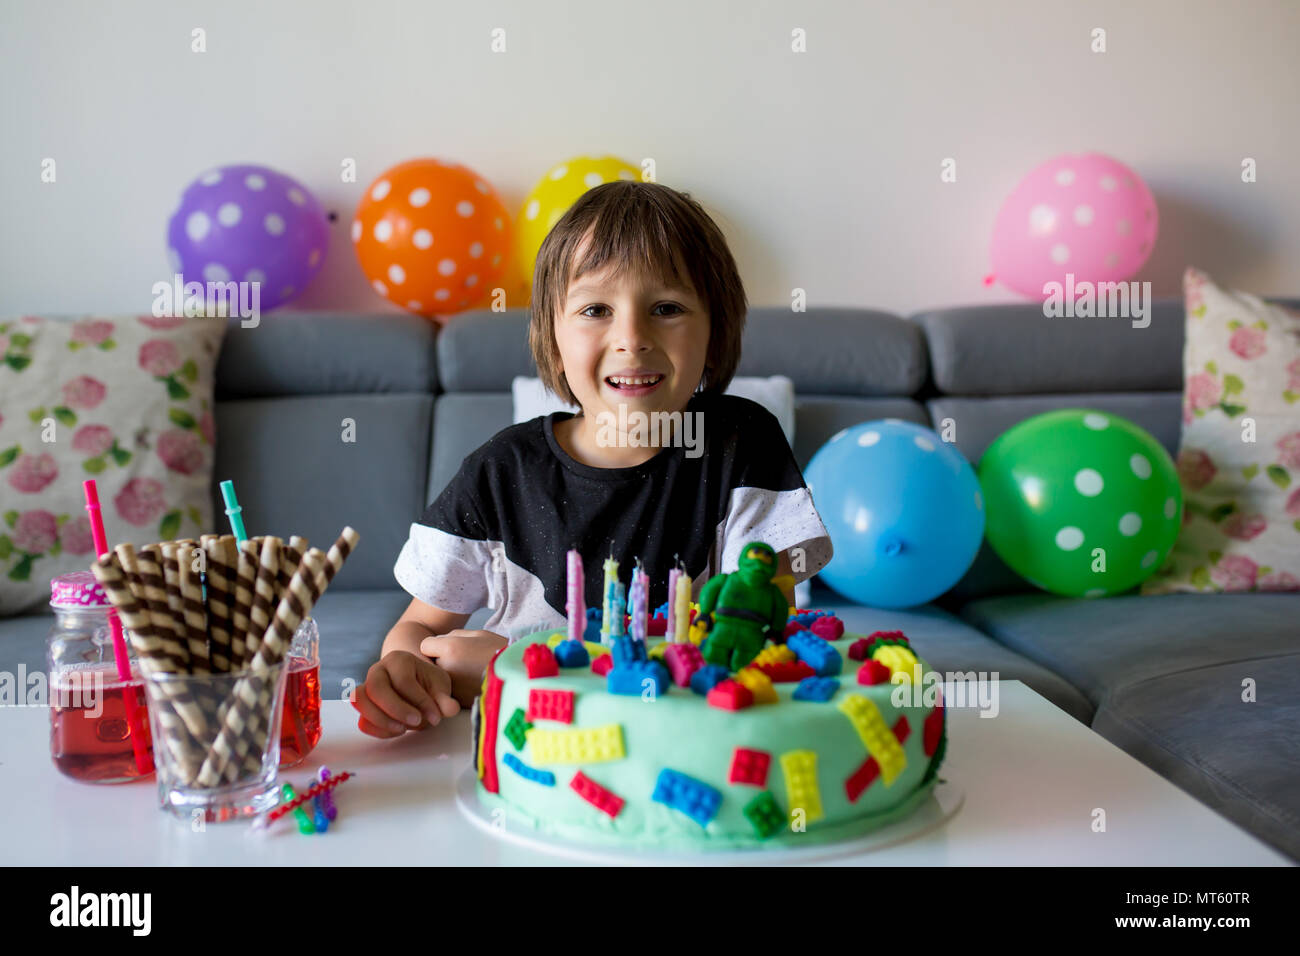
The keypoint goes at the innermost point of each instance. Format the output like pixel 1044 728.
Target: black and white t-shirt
pixel 498 534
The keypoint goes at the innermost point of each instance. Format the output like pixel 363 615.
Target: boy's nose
pixel 631 332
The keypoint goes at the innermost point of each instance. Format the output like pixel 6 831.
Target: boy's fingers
pixel 417 698
pixel 366 727
pixel 448 705
pixel 381 704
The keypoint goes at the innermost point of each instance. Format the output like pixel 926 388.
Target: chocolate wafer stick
pixel 244 727
pixel 192 607
pixel 264 592
pixel 244 582
pixel 221 558
pixel 167 626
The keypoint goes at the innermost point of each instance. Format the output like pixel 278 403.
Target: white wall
pixel 822 168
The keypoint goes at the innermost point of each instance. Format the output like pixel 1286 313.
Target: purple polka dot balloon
pixel 249 224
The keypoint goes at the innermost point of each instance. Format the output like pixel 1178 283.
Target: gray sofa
pixel 1158 676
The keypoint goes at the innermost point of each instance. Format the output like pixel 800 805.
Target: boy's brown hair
pixel 638 225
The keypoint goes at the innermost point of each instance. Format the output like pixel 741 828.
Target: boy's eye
pixel 662 305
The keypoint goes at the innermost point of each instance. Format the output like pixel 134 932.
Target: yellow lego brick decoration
pixel 656 653
pixel 876 735
pixel 902 663
pixel 776 654
pixel 572 746
pixel 759 684
pixel 800 769
pixel 696 634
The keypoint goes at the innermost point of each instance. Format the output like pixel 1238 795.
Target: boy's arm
pixel 417 622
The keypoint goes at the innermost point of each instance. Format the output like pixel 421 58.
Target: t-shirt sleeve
pixel 769 500
pixel 447 560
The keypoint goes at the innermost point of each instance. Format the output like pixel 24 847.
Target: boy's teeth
pixel 620 380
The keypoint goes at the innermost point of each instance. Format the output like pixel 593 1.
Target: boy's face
pixel 635 328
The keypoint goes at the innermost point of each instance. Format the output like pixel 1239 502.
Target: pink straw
pixel 121 658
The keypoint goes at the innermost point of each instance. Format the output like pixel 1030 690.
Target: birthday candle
pixel 576 605
pixel 607 599
pixel 619 609
pixel 639 585
pixel 670 634
pixel 681 609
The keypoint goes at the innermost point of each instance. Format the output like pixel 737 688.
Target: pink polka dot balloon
pixel 1087 214
pixel 249 224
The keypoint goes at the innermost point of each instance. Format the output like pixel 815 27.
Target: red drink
pixel 90 736
pixel 300 725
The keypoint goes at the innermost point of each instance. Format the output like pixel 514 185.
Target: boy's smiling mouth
pixel 634 384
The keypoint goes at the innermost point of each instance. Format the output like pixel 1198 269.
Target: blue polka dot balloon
pixel 903 509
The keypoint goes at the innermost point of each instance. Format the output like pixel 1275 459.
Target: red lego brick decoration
pixel 657 626
pixel 889 637
pixel 933 729
pixel 902 729
pixel 873 672
pixel 603 664
pixel 550 705
pixel 730 695
pixel 539 661
pixel 828 628
pixel 858 650
pixel 786 672
pixel 750 766
pixel 606 801
pixel 866 774
pixel 862 778
pixel 793 627
pixel 491 708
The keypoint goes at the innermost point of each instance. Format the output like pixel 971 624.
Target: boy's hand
pixel 464 655
pixel 402 692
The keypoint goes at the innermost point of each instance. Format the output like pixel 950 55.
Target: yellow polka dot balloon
pixel 551 198
pixel 432 237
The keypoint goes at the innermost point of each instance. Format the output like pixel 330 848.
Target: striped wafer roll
pixel 221 559
pixel 108 570
pixel 244 731
pixel 193 614
pixel 167 627
pixel 184 720
pixel 290 558
pixel 265 594
pixel 244 581
pixel 253 708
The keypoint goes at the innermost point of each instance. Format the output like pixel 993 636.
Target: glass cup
pixel 207 769
pixel 300 730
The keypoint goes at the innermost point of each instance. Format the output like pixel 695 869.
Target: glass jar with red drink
pixel 99 724
pixel 300 726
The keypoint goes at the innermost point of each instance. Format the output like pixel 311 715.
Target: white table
pixel 1030 777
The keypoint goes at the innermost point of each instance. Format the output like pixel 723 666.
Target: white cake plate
pixel 943 803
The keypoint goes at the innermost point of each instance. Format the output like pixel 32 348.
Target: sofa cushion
pixel 949 645
pixel 320 353
pixel 125 400
pixel 1194 728
pixel 1102 645
pixel 295 473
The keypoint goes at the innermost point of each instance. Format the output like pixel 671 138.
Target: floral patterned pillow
pixel 1239 460
pixel 126 401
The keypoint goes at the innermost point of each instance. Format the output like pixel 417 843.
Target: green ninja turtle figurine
pixel 741 610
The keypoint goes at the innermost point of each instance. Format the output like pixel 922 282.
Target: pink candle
pixel 637 604
pixel 576 605
pixel 670 634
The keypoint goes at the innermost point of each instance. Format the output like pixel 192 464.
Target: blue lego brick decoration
pixel 572 654
pixel 807 617
pixel 816 653
pixel 592 631
pixel 626 650
pixel 544 777
pixel 819 689
pixel 630 678
pixel 695 798
pixel 707 677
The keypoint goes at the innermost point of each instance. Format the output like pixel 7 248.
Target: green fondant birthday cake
pixel 821 736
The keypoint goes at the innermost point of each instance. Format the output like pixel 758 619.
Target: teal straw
pixel 233 511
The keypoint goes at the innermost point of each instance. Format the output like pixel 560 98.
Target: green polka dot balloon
pixel 1080 502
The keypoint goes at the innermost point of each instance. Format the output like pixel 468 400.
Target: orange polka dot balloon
pixel 432 237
